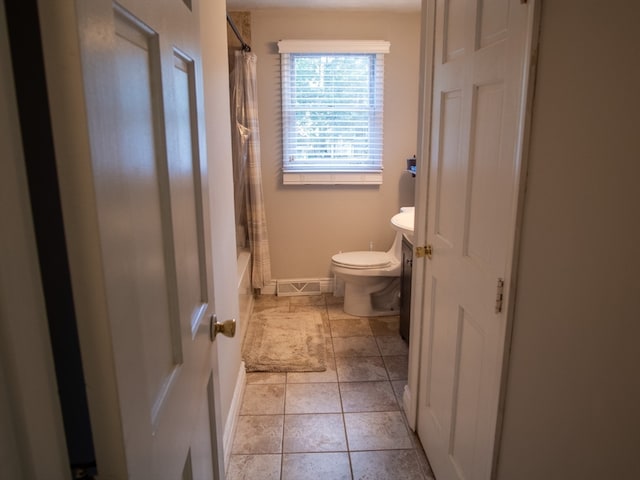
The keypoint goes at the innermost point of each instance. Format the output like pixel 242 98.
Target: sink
pixel 403 222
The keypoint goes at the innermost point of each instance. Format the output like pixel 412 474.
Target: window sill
pixel 332 178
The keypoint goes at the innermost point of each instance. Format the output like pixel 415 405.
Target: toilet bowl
pixel 371 280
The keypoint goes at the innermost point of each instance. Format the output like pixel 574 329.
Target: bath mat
pixel 285 342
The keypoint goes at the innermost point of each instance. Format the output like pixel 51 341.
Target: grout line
pixel 284 415
pixel 344 422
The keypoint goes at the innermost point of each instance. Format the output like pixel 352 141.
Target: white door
pixel 479 62
pixel 137 219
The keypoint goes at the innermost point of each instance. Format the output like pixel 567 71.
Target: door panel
pixel 479 60
pixel 449 187
pixel 467 377
pixel 143 243
pixel 484 167
pixel 186 195
pixel 439 382
pixel 453 36
pixel 493 19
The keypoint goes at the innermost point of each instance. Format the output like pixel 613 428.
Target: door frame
pixel 419 310
pixel 31 433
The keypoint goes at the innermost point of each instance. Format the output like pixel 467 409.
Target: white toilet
pixel 371 280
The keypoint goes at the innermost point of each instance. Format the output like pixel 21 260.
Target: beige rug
pixel 285 342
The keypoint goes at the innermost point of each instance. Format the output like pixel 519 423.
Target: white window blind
pixel 332 111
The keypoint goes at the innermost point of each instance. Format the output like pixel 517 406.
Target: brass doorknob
pixel 227 328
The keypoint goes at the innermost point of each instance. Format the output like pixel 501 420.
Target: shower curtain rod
pixel 245 46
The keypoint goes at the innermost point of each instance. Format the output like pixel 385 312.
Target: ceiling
pixel 392 5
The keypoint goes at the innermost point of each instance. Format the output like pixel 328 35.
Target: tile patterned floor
pixel 344 423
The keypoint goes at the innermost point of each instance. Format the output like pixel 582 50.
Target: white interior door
pixel 479 63
pixel 137 218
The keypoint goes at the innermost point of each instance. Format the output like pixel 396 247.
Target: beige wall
pixel 573 396
pixel 308 224
pixel 32 442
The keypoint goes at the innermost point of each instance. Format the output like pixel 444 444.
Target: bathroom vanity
pixel 403 222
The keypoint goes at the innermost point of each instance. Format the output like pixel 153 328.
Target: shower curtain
pixel 247 171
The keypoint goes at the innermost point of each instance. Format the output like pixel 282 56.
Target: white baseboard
pixel 234 413
pixel 406 404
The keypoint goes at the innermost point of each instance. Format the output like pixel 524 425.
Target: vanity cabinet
pixel 405 288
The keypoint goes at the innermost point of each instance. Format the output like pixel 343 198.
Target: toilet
pixel 371 280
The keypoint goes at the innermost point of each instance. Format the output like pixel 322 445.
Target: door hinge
pixel 426 251
pixel 499 295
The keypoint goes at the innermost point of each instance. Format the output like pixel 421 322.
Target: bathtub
pixel 245 296
pixel 245 302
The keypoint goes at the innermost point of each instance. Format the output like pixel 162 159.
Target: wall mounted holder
pixel 411 166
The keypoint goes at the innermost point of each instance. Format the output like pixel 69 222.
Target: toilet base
pixel 381 298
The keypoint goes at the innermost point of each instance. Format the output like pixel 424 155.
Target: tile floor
pixel 344 423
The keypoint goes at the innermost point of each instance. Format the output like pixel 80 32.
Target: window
pixel 332 111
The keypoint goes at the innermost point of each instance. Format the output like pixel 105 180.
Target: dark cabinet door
pixel 405 289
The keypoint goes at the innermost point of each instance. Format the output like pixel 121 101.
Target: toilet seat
pixel 362 260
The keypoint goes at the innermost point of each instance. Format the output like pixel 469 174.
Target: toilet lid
pixel 362 259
